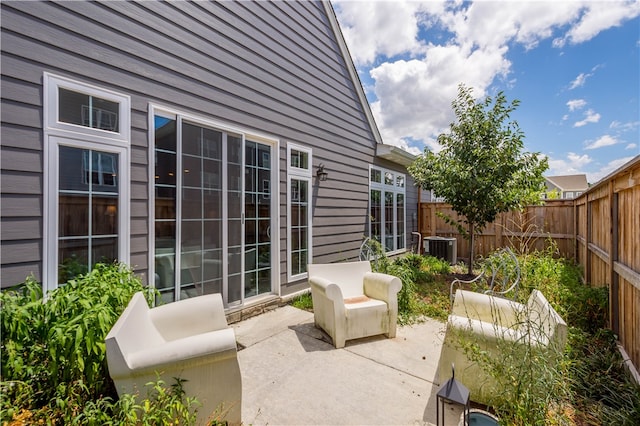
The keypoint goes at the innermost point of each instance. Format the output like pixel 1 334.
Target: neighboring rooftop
pixel 569 182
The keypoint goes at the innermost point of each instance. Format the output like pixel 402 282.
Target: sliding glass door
pixel 213 212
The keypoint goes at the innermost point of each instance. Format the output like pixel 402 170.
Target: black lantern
pixel 321 173
pixel 453 392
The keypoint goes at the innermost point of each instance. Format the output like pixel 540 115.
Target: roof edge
pixel 351 68
pixel 395 154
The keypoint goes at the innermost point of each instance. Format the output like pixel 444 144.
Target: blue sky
pixel 573 65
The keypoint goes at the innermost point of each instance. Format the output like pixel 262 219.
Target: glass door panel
pixel 213 215
pixel 257 241
pixel 201 239
pixel 234 219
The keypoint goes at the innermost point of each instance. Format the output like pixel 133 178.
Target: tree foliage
pixel 482 169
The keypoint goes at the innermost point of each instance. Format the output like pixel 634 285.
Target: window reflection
pixel 88 111
pixel 88 210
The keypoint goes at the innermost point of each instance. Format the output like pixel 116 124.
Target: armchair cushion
pixel 189 340
pixel 350 301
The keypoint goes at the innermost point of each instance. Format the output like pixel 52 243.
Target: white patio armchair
pixel 189 340
pixel 350 301
pixel 489 322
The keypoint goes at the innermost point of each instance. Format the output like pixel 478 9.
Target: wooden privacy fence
pixel 608 247
pixel 600 230
pixel 530 229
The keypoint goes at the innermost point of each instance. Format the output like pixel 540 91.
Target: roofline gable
pixel 351 68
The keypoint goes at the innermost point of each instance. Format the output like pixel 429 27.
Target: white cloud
pixel 590 117
pixel 599 16
pixel 624 127
pixel 414 96
pixel 572 164
pixel 579 81
pixel 415 82
pixel 576 104
pixel 606 140
pixel 631 146
pixel 491 24
pixel 594 177
pixel 379 28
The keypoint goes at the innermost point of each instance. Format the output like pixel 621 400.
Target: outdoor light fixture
pixel 321 173
pixel 454 392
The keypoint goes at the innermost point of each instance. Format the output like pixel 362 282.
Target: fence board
pixel 527 230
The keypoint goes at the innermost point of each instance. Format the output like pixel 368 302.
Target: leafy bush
pixel 53 352
pixel 560 280
pixel 415 272
pixel 162 405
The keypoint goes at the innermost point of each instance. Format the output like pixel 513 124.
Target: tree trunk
pixel 471 244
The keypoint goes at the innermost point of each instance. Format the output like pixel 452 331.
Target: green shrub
pixel 61 340
pixel 416 272
pixel 53 350
pixel 407 294
pixel 162 405
pixel 435 266
pixel 379 262
pixel 560 281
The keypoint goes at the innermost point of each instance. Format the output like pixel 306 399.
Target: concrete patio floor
pixel 292 375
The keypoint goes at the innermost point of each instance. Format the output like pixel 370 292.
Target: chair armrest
pixel 326 288
pixel 382 286
pixel 204 348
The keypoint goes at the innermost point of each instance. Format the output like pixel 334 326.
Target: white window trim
pixel 169 112
pixel 52 124
pixel 383 187
pixel 58 134
pixel 306 175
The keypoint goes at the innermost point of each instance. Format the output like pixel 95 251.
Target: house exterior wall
pixel 269 67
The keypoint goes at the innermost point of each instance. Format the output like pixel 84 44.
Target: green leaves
pixel 57 344
pixel 482 169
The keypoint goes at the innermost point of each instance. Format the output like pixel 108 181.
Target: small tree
pixel 481 170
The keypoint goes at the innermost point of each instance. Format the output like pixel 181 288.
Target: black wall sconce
pixel 321 173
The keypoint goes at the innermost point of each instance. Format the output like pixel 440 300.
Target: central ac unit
pixel 442 248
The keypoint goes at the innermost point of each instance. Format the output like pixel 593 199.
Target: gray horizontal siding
pixel 20 178
pixel 272 67
pixel 20 270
